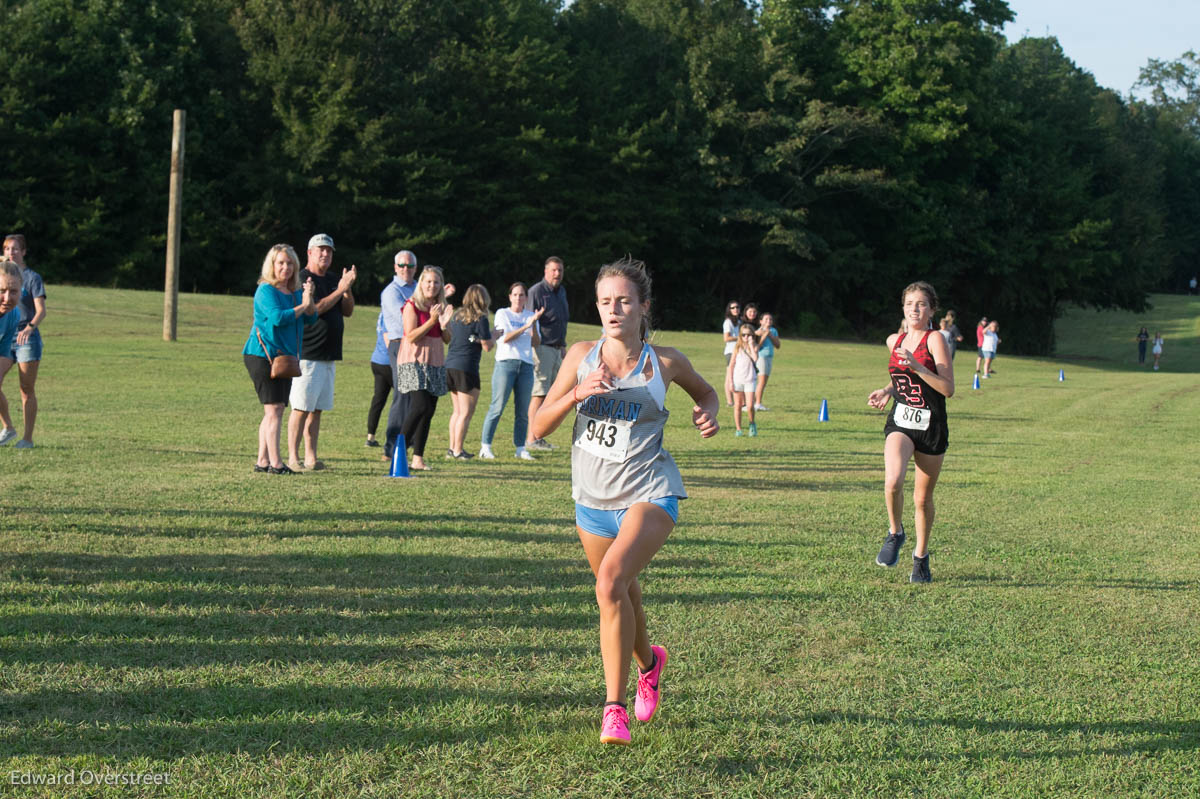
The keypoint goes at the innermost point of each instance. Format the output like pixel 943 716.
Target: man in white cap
pixel 312 391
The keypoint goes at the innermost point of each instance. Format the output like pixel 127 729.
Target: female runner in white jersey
pixel 626 486
pixel 922 378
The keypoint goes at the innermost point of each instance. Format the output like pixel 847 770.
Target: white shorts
pixel 746 388
pixel 313 389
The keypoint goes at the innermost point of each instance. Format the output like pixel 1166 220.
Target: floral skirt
pixel 421 377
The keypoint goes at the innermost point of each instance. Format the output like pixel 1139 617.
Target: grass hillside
pixel 341 634
pixel 1109 338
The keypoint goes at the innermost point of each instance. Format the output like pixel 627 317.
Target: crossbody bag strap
pixel 263 343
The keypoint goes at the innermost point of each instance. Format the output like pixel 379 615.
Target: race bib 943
pixel 604 438
pixel 912 418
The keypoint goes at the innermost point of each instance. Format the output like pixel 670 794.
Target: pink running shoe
pixel 615 729
pixel 647 687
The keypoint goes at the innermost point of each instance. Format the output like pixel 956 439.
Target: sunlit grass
pixel 341 634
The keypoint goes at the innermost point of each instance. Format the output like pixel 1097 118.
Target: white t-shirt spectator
pixel 729 328
pixel 521 347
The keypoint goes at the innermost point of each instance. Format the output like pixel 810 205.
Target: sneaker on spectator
pixel 485 453
pixel 8 435
pixel 24 444
pixel 523 454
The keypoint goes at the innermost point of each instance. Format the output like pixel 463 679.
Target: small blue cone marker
pixel 976 383
pixel 823 416
pixel 399 459
pixel 1061 376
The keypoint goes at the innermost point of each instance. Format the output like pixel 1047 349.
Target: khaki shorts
pixel 313 389
pixel 546 361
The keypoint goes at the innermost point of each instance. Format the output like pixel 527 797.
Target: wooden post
pixel 174 229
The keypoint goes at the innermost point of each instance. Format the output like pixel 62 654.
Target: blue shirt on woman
pixel 8 332
pixel 275 319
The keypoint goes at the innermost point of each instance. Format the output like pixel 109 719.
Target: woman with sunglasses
pixel 742 373
pixel 733 315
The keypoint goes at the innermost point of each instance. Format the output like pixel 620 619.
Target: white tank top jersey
pixel 617 458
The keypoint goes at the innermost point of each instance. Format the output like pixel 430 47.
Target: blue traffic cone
pixel 976 383
pixel 1061 376
pixel 399 459
pixel 823 415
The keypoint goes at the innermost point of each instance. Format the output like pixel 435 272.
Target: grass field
pixel 343 634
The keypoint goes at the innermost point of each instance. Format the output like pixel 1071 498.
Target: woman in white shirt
pixel 729 327
pixel 516 334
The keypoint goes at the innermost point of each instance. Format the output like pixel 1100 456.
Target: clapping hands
pixel 307 300
pixel 348 278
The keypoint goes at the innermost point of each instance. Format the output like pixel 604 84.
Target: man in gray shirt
pixel 547 294
pixel 392 300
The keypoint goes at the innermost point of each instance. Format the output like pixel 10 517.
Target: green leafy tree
pixel 1171 111
pixel 89 90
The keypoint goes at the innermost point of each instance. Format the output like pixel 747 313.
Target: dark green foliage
pixel 813 155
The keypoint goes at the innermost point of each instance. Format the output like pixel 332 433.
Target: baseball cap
pixel 321 240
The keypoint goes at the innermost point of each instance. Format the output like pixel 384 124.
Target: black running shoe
pixel 889 553
pixel 920 572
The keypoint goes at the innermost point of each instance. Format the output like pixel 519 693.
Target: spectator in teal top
pixel 26 348
pixel 281 311
pixel 10 317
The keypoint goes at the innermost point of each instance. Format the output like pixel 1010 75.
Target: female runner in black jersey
pixel 922 377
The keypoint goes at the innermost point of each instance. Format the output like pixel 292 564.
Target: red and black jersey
pixel 914 392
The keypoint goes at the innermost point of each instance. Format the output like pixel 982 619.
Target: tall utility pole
pixel 174 229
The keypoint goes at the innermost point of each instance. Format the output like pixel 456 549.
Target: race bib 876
pixel 912 418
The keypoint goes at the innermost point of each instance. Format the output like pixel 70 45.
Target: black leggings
pixel 421 407
pixel 383 384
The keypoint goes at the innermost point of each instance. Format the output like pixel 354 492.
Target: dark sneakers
pixel 920 572
pixel 889 553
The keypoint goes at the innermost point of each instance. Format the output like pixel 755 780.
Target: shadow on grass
pixel 1066 740
pixel 175 620
pixel 1126 583
pixel 184 610
pixel 170 721
pixel 227 523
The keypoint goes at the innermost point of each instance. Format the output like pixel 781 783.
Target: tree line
pixel 812 155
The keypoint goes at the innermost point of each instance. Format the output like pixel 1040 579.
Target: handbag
pixel 282 365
